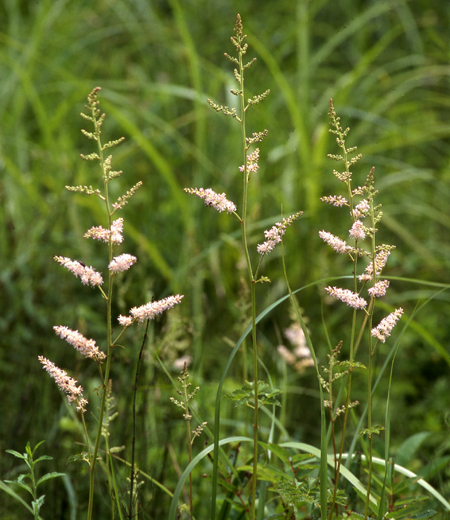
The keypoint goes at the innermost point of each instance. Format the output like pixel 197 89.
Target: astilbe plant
pixel 252 394
pixel 364 217
pixel 112 236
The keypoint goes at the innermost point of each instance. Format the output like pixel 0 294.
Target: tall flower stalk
pixel 112 235
pixel 221 203
pixel 365 216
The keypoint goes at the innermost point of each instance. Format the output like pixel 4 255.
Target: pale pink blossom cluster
pixel 149 310
pixel 347 296
pixel 361 209
pixel 384 328
pixel 87 274
pixel 213 199
pixel 379 289
pixel 65 383
pixel 86 347
pixel 121 263
pixel 273 235
pixel 335 200
pixel 252 162
pixel 357 231
pixel 99 233
pixel 380 261
pixel 340 246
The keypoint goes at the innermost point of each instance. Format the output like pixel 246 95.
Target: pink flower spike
pixel 357 231
pixel 213 199
pixel 121 263
pixel 361 209
pixel 150 310
pixel 65 383
pixel 99 233
pixel 274 234
pixel 340 246
pixel 379 289
pixel 125 321
pixel 384 328
pixel 86 274
pixel 346 296
pixel 86 347
pixel 335 200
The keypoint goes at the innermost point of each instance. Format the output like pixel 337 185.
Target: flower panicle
pixel 121 263
pixel 65 383
pixel 273 235
pixel 340 246
pixel 149 310
pixel 213 199
pixel 105 235
pixel 383 330
pixel 86 347
pixel 87 274
pixel 345 295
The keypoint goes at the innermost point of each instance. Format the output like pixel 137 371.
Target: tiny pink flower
pixel 87 274
pixel 340 246
pixel 357 231
pixel 346 296
pixel 65 383
pixel 213 199
pixel 86 347
pixel 121 263
pixel 384 328
pixel 379 289
pixel 125 321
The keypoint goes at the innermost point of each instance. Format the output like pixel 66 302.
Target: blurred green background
pixel 386 66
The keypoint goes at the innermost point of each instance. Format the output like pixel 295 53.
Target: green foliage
pixel 28 457
pixel 246 395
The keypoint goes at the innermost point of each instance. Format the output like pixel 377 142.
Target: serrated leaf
pixel 36 505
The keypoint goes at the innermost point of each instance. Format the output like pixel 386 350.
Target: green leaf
pixel 20 484
pixel 246 395
pixel 48 476
pixel 36 505
pixel 17 454
pixel 409 447
pixel 44 457
pixel 79 457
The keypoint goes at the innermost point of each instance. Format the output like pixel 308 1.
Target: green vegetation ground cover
pixel 386 66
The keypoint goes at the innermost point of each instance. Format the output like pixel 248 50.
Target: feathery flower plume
pixel 340 246
pixel 335 200
pixel 273 235
pixel 380 261
pixel 121 263
pixel 65 383
pixel 86 347
pixel 357 231
pixel 384 328
pixel 87 274
pixel 100 233
pixel 213 199
pixel 379 289
pixel 125 321
pixel 150 310
pixel 347 296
